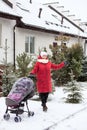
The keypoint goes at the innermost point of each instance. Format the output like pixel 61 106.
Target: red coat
pixel 43 73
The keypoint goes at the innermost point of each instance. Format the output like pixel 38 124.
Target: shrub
pixel 61 53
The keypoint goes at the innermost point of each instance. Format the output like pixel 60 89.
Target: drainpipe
pixel 14 47
pixel 18 22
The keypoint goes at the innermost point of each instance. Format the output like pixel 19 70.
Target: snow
pixel 6 9
pixel 60 115
pixel 49 19
pixel 30 17
pixel 76 7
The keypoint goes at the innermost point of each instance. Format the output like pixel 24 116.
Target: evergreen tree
pixel 23 62
pixel 8 79
pixel 73 89
pixel 75 59
pixel 9 76
pixel 73 55
pixel 59 53
pixel 83 75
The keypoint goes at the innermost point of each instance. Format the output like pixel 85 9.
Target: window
pixel 30 44
pixel 54 44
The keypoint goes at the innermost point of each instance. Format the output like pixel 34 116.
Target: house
pixel 27 26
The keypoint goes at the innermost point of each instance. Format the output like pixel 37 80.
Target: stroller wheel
pixel 30 113
pixel 6 116
pixel 17 119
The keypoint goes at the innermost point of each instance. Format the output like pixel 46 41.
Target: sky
pixel 60 115
pixel 77 7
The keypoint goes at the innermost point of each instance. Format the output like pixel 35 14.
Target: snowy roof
pixel 4 8
pixel 48 20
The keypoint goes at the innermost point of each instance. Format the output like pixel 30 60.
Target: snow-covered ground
pixel 60 115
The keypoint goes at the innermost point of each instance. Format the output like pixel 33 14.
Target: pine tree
pixel 73 55
pixel 59 53
pixel 8 79
pixel 75 59
pixel 73 89
pixel 9 76
pixel 23 62
pixel 83 75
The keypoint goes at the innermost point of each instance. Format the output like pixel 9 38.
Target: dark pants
pixel 43 97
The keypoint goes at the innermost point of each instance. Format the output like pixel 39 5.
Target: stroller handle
pixel 31 76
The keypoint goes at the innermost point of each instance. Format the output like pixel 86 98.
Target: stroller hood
pixel 20 90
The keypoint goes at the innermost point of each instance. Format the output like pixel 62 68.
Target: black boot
pixel 44 97
pixel 45 108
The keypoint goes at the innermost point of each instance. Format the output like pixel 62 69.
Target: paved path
pixel 84 108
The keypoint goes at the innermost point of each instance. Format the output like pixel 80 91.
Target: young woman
pixel 42 70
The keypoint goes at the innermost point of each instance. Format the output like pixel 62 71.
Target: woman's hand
pixel 66 63
pixel 31 75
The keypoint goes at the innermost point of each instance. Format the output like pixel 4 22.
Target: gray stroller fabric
pixel 21 89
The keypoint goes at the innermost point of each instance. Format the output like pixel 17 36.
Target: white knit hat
pixel 43 53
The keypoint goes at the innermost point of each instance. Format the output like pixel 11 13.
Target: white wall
pixel 41 40
pixel 7 33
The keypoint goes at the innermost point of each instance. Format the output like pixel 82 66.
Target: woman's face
pixel 44 56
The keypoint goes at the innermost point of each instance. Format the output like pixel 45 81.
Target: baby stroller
pixel 22 90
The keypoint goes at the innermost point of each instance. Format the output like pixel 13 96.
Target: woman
pixel 42 70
